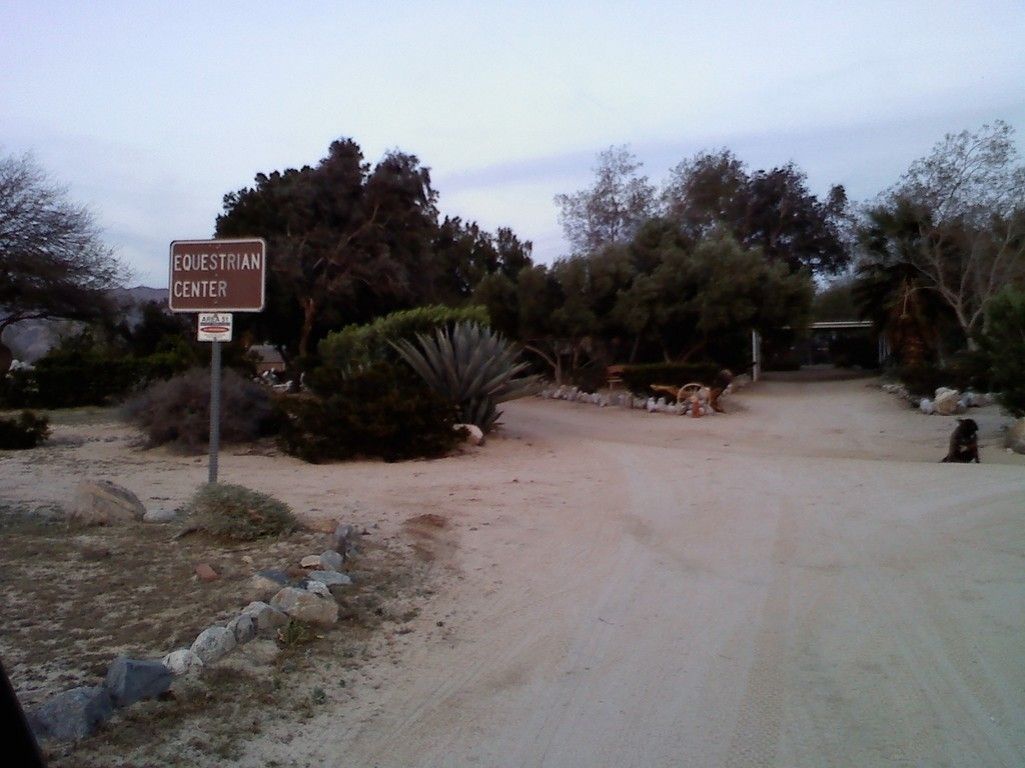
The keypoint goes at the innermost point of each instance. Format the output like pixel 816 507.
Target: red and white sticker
pixel 215 326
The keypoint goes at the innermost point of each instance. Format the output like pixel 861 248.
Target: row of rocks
pixel 78 713
pixel 945 402
pixel 620 400
pixel 574 394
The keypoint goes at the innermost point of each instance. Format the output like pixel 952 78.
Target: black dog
pixel 964 443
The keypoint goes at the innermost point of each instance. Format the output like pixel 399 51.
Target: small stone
pixel 330 560
pixel 102 502
pixel 132 680
pixel 159 516
pixel 330 578
pixel 267 618
pixel 72 715
pixel 243 628
pixel 310 561
pixel 213 643
pixel 182 661
pixel 206 573
pixel 342 535
pixel 247 559
pixel 306 606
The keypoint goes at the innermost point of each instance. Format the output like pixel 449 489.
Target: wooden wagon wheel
pixel 688 391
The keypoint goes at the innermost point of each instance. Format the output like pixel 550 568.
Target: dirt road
pixel 796 584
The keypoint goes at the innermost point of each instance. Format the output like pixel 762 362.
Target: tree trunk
pixel 309 314
pixel 634 348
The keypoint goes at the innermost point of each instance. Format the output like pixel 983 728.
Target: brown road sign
pixel 217 275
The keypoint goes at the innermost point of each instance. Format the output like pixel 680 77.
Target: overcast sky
pixel 151 112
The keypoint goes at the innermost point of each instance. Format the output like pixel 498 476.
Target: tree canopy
pixel 952 229
pixel 53 262
pixel 348 242
pixel 769 209
pixel 612 209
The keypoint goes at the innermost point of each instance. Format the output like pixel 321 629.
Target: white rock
pixel 474 434
pixel 1014 440
pixel 159 516
pixel 310 561
pixel 927 406
pixel 182 662
pixel 213 643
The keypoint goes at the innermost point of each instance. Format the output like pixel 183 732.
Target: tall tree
pixel 345 243
pixel 612 209
pixel 53 262
pixel 772 210
pixel 965 202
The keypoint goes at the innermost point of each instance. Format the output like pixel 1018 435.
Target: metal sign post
pixel 215 278
pixel 216 328
pixel 215 408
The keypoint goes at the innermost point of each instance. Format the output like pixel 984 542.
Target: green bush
pixel 638 378
pixel 471 367
pixel 237 513
pixel 177 411
pixel 26 431
pixel 1003 341
pixel 357 346
pixel 381 411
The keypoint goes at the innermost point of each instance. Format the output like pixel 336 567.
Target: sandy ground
pixel 797 583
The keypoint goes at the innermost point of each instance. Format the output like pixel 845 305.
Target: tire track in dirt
pixel 759 721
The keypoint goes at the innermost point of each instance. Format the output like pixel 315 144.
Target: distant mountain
pixel 30 340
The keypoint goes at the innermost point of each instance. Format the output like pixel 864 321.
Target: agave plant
pixel 472 367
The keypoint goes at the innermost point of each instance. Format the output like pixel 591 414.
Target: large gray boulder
pixel 947 401
pixel 132 680
pixel 305 606
pixel 100 502
pixel 331 560
pixel 266 617
pixel 72 715
pixel 330 578
pixel 213 643
pixel 182 661
pixel 243 628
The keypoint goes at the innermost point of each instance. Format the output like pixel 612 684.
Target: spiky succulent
pixel 472 367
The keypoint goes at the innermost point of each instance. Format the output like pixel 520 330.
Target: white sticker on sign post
pixel 215 326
